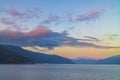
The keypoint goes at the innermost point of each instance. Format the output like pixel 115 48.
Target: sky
pixel 69 28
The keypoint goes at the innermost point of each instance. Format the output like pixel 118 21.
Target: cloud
pixel 13 12
pixel 6 21
pixel 90 15
pixel 50 19
pixel 74 42
pixel 92 38
pixel 11 24
pixel 111 36
pixel 24 15
pixel 69 41
pixel 112 47
pixel 41 36
pixel 35 12
pixel 85 39
pixel 20 18
pixel 40 30
pixel 7 33
pixel 47 39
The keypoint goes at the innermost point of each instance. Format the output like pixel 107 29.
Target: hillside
pixel 84 61
pixel 10 57
pixel 110 60
pixel 17 54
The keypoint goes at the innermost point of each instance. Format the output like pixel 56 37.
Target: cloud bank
pixel 42 37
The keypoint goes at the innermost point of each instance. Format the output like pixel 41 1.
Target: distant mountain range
pixel 84 61
pixel 16 55
pixel 110 60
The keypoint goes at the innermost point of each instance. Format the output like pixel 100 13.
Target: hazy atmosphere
pixel 59 39
pixel 69 28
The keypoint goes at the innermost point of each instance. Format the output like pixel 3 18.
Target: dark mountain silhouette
pixel 16 55
pixel 10 57
pixel 10 53
pixel 110 60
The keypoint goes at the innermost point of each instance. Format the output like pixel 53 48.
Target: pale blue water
pixel 59 72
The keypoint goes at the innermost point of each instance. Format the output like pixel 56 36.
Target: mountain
pixel 10 57
pixel 17 53
pixel 84 61
pixel 110 60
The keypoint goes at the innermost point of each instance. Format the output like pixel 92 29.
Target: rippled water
pixel 59 72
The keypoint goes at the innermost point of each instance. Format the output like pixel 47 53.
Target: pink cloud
pixel 90 15
pixel 35 38
pixel 17 32
pixel 26 15
pixel 6 21
pixel 50 19
pixel 40 36
pixel 10 33
pixel 39 31
pixel 13 12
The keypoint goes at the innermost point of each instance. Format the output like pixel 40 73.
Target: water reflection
pixel 59 72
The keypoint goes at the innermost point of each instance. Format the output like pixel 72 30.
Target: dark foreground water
pixel 59 72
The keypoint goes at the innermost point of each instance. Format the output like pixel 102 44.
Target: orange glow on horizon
pixel 73 52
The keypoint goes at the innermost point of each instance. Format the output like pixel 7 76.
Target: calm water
pixel 59 72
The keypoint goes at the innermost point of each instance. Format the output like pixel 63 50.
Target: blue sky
pixel 75 7
pixel 72 19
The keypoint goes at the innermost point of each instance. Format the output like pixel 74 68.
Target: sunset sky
pixel 69 28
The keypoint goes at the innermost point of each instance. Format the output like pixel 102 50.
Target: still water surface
pixel 59 72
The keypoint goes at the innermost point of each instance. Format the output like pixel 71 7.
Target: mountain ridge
pixel 108 60
pixel 36 57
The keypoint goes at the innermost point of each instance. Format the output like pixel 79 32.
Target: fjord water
pixel 59 72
